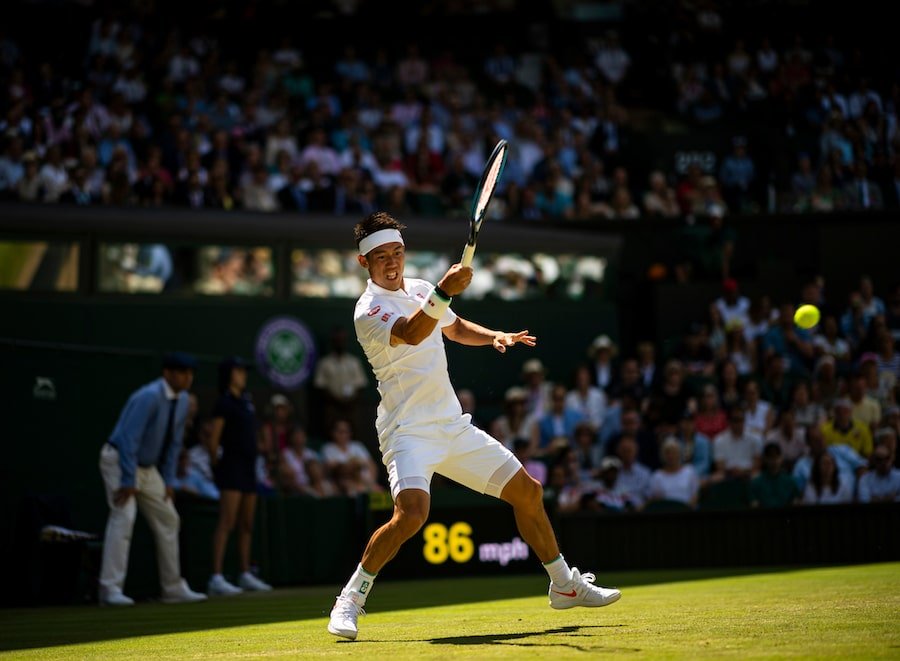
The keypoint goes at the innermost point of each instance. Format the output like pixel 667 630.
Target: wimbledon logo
pixel 285 352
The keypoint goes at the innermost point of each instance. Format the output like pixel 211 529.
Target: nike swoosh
pixel 567 594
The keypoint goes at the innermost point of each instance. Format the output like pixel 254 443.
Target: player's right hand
pixel 456 279
pixel 123 495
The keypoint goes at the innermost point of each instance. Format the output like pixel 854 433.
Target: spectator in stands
pixel 674 481
pixel 803 184
pixel 537 388
pixel 234 429
pixel 566 485
pixel 349 460
pixel 825 196
pixel 790 437
pixel 586 398
pixel 559 421
pixel 865 408
pixel 826 486
pixel 774 486
pixel 844 429
pixel 806 412
pixel 827 385
pixel 828 341
pixel 760 414
pixel 882 483
pixel 669 402
pixel 849 463
pixel 660 201
pixel 694 351
pixel 737 452
pixel 696 447
pixel 789 341
pixel 607 495
pixel 711 418
pixel 469 404
pixel 775 387
pixel 634 477
pixel 733 306
pixel 340 379
pixel 514 422
pixel 862 193
pixel 603 352
pixel 630 381
pixel 279 423
pixel 737 176
pixel 587 449
pixel 294 463
pixel 730 386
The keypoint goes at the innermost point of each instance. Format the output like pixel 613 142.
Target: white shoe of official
pixel 581 591
pixel 182 595
pixel 116 599
pixel 251 583
pixel 344 614
pixel 219 587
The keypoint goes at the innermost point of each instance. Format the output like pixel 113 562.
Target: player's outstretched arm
pixel 473 335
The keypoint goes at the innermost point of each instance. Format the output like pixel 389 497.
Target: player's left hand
pixel 503 340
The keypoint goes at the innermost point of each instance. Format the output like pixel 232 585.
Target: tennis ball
pixel 806 316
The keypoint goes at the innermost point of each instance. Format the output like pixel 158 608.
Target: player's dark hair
pixel 374 222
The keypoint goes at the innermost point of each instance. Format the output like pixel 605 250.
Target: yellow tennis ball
pixel 806 316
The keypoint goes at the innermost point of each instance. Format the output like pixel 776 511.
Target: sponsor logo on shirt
pixel 374 311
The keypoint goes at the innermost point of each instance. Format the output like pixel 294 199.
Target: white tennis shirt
pixel 413 381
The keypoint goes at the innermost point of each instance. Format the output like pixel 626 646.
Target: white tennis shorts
pixel 456 449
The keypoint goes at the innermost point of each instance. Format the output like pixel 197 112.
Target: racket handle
pixel 468 254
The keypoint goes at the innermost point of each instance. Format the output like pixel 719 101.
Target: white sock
pixel 360 582
pixel 559 571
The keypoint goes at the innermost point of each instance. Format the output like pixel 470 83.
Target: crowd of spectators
pixel 746 409
pixel 287 463
pixel 149 113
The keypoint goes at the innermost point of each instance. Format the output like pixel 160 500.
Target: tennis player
pixel 401 324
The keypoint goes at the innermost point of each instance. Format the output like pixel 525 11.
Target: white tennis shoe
pixel 581 591
pixel 344 614
pixel 218 586
pixel 249 582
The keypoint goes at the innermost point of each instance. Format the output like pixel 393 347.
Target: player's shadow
pixel 562 637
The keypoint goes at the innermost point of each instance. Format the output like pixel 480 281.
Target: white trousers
pixel 160 514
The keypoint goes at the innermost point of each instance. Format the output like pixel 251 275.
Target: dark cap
pixel 179 360
pixel 231 362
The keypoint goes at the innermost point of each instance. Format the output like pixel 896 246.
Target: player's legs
pixel 526 495
pixel 410 513
pixel 481 462
pixel 410 461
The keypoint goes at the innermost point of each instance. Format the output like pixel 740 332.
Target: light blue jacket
pixel 141 430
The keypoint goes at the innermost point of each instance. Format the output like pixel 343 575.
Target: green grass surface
pixel 840 612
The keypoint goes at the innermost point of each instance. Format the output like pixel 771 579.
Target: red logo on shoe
pixel 567 594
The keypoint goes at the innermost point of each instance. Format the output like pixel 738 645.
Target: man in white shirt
pixel 737 453
pixel 401 323
pixel 883 483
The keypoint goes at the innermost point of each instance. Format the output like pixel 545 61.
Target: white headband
pixel 379 238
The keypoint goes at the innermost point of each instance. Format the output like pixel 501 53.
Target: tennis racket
pixel 489 178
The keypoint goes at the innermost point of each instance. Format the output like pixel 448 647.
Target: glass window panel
pixel 186 270
pixel 508 276
pixel 39 265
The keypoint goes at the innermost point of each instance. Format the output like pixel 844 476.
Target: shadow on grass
pixel 32 628
pixel 560 637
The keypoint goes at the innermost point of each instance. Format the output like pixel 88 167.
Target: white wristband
pixel 435 305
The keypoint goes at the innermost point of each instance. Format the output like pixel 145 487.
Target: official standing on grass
pixel 138 465
pixel 401 324
pixel 234 429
